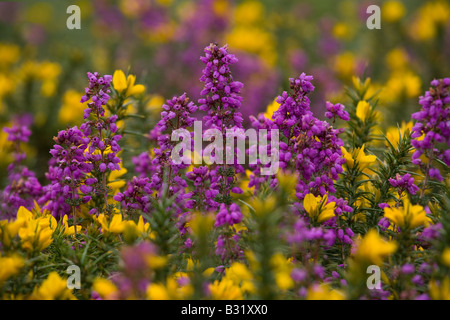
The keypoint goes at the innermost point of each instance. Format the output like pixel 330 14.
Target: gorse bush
pixel 346 199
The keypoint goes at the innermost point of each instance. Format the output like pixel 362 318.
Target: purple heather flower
pixel 404 183
pixel 417 280
pixel 18 132
pixel 298 275
pixel 336 110
pixel 314 147
pixel 433 122
pixel 407 268
pixel 136 196
pixel 23 187
pixel 221 93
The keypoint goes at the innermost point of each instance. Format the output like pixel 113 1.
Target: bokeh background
pixel 43 65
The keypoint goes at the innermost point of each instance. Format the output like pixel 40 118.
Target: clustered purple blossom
pixel 310 146
pixel 176 115
pixel 221 100
pixel 202 196
pixel 303 232
pixel 162 169
pixel 433 123
pixel 221 93
pixel 313 144
pixel 336 111
pixel 255 178
pixel 404 183
pixel 143 164
pixel 66 172
pixel 101 133
pixel 81 157
pixel 136 196
pixel 228 247
pixel 98 91
pixel 23 187
pixel 18 132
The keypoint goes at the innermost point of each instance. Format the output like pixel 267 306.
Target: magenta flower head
pixel 23 187
pixel 221 93
pixel 433 123
pixel 404 183
pixel 336 111
pixel 18 132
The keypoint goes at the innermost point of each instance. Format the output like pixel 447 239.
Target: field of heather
pixel 225 150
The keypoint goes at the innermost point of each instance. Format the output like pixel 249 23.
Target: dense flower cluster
pixel 23 186
pixel 222 93
pixel 431 133
pixel 310 146
pixel 404 183
pixel 202 196
pixel 176 115
pixel 221 101
pixel 136 196
pixel 66 172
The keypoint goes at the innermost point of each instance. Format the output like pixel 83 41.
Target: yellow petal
pixel 326 215
pixel 348 158
pixel 116 225
pixel 137 89
pixel 119 81
pixel 363 110
pixel 446 257
pixel 131 79
pixel 310 203
pixel 105 288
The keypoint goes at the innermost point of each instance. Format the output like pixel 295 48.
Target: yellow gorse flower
pixel 201 224
pixel 363 110
pixel 397 59
pixel 361 86
pixel 114 181
pixel 344 64
pixel 271 108
pixel 430 16
pixel 53 288
pixel 71 110
pixel 69 231
pixel 241 276
pixel 10 266
pixel 265 206
pixel 126 84
pixel 324 292
pixel 9 54
pixel 282 268
pixel 372 249
pixel 393 11
pixel 225 289
pixel 170 291
pixel 440 290
pixel 105 288
pixel 35 232
pixel 401 83
pixel 342 30
pixel 249 32
pixel 115 225
pixel 445 257
pixel 407 217
pixel 317 207
pixel 393 134
pixel 358 157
